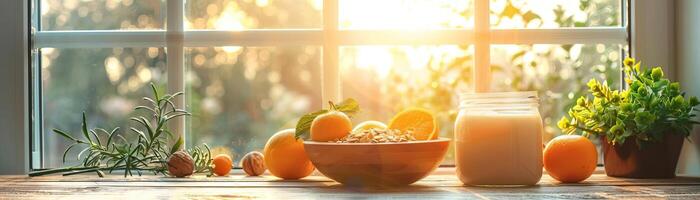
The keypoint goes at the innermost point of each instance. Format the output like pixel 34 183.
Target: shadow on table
pixel 384 189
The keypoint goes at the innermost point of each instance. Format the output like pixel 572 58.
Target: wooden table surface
pixel 440 185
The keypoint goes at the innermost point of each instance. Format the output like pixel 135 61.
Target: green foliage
pixel 650 107
pixel 562 70
pixel 150 152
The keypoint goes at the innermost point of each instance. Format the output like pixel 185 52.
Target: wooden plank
pixel 442 184
pixel 337 191
pixel 442 176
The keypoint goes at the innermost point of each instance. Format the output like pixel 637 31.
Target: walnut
pixel 253 163
pixel 180 164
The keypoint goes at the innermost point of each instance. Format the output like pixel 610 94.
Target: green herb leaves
pixel 348 106
pixel 650 107
pixel 149 152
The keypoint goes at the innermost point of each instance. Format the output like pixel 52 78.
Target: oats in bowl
pixel 377 136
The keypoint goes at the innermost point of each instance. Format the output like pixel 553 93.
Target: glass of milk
pixel 498 139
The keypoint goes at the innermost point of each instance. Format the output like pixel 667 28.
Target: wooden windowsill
pixel 441 184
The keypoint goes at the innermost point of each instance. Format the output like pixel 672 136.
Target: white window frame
pixel 175 38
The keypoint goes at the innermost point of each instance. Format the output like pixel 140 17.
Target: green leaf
pixel 644 119
pixel 509 10
pixel 145 108
pixel 64 134
pixel 85 130
pixel 635 85
pixel 564 123
pixel 111 135
pixel 141 133
pixel 628 62
pixel 155 91
pixel 94 134
pixel 81 152
pixel 176 146
pixel 657 73
pixel 304 123
pixel 66 151
pixel 693 101
pixel 147 125
pixel 517 55
pixel 150 100
pixel 529 16
pixel 348 106
pixel 176 115
pixel 678 101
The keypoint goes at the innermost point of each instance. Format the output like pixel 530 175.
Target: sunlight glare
pixel 543 10
pixel 114 69
pixel 232 49
pixel 231 18
pixel 403 14
pixel 378 58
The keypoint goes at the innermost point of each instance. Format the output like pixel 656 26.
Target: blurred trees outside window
pixel 239 96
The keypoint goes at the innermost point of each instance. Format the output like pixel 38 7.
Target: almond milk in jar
pixel 498 139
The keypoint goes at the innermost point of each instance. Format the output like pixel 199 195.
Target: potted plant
pixel 641 127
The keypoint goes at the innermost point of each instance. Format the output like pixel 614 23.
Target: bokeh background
pixel 239 96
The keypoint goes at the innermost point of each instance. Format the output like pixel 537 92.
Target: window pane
pixel 101 14
pixel 554 13
pixel 405 14
pixel 106 84
pixel 240 96
pixel 252 14
pixel 388 79
pixel 558 72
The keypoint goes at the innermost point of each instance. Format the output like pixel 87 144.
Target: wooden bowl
pixel 377 164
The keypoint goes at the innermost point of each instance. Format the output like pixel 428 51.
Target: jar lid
pixel 499 99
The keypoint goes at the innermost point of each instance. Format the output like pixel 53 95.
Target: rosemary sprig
pixel 149 152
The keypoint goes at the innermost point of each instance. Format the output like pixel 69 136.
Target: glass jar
pixel 498 139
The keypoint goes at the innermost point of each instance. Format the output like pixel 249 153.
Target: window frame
pixel 14 82
pixel 175 38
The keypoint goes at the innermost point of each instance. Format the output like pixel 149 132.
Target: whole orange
pixel 570 158
pixel 222 164
pixel 330 126
pixel 285 156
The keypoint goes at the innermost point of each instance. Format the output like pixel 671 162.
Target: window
pixel 250 68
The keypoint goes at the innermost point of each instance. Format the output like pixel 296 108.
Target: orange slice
pixel 422 122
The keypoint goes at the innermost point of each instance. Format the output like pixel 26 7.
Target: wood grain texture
pixel 441 185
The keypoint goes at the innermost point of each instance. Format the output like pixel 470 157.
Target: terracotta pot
pixel 653 160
